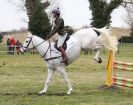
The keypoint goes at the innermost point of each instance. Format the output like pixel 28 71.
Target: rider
pixel 58 27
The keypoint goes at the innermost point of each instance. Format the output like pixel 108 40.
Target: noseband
pixel 26 47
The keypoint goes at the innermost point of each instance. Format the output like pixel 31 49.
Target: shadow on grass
pixel 33 94
pixel 49 94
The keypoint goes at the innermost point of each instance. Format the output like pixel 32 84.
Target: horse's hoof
pixel 99 60
pixel 69 92
pixel 41 94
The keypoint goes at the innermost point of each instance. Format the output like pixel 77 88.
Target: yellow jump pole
pixel 109 80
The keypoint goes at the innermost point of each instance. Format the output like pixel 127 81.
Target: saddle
pixel 64 44
pixel 69 30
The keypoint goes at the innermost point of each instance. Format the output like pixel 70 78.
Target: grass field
pixel 22 76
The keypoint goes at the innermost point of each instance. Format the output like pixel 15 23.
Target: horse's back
pixel 87 38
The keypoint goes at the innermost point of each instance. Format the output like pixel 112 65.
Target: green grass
pixel 21 77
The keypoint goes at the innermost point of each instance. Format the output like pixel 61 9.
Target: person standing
pixel 12 44
pixel 18 46
pixel 8 46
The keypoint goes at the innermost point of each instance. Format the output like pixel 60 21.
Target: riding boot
pixel 65 59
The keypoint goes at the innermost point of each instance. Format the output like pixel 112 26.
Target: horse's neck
pixel 40 44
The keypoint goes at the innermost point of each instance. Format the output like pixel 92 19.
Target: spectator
pixel 13 44
pixel 8 46
pixel 18 46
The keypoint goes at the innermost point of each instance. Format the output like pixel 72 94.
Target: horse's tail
pixel 106 39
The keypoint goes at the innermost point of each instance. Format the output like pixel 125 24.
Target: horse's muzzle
pixel 22 50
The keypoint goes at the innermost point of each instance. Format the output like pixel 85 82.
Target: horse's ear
pixel 29 33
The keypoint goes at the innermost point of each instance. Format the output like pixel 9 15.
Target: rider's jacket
pixel 58 27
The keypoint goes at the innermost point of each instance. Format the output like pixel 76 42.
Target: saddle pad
pixel 70 43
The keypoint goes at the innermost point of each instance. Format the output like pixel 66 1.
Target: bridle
pixel 25 48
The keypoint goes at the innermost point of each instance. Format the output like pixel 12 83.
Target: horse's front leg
pixel 63 73
pixel 49 77
pixel 96 57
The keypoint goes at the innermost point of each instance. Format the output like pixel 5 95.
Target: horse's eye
pixel 26 41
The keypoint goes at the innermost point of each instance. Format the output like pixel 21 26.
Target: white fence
pixel 5 50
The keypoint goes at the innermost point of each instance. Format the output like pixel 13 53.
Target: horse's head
pixel 28 44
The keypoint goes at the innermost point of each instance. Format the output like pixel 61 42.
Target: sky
pixel 76 13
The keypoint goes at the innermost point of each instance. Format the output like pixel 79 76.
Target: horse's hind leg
pixel 49 77
pixel 63 73
pixel 96 57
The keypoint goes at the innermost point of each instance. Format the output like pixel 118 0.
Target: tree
pixel 130 18
pixel 129 8
pixel 39 23
pixel 101 11
pixel 126 2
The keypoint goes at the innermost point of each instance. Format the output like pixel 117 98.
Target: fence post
pixel 109 80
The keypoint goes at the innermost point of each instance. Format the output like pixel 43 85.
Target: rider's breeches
pixel 61 40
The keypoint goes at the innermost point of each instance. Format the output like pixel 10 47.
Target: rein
pixel 36 45
pixel 51 58
pixel 32 44
pixel 49 47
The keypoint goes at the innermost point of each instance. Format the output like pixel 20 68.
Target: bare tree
pixel 128 4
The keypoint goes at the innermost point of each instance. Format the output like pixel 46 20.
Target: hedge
pixel 126 39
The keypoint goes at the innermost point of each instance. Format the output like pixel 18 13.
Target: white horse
pixel 84 38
